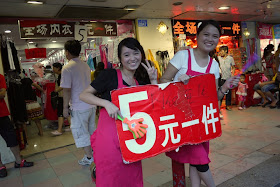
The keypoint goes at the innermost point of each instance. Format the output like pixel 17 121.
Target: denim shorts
pixel 265 88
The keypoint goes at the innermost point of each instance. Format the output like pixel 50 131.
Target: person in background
pixel 264 90
pixel 110 168
pixel 182 67
pixel 99 68
pixel 34 109
pixel 8 133
pixel 242 92
pixel 277 58
pixel 57 67
pixel 227 67
pixel 75 77
pixel 268 59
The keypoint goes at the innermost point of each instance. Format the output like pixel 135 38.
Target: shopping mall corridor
pixel 250 138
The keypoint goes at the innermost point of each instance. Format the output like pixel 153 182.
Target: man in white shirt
pixel 75 77
pixel 227 71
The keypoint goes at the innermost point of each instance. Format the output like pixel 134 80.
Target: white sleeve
pixel 176 61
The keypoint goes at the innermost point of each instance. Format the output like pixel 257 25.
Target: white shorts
pixel 82 126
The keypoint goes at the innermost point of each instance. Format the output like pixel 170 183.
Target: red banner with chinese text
pixel 36 53
pixel 265 31
pixel 176 115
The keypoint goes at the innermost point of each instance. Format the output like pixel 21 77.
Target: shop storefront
pixel 44 45
pixel 184 32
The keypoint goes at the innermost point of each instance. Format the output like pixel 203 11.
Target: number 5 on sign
pixel 81 33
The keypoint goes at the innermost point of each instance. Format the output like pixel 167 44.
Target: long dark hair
pixel 267 50
pixel 132 43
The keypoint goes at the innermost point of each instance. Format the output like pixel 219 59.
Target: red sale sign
pixel 176 114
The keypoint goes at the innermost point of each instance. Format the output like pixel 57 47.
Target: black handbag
pixel 54 99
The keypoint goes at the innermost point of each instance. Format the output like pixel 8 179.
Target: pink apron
pixel 193 154
pixel 110 169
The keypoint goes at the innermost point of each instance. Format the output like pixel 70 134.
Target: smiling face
pixel 130 58
pixel 208 38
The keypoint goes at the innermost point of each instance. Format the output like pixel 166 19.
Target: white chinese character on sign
pixel 66 29
pixel 55 28
pixel 109 28
pixel 42 29
pixel 208 117
pixel 169 128
pixel 28 31
pixel 89 29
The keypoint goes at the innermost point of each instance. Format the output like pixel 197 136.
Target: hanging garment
pixel 49 112
pixel 15 57
pixel 16 101
pixel 4 54
pixel 151 58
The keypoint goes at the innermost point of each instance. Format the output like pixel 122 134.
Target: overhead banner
pixel 265 31
pixel 189 27
pixel 36 53
pixel 32 29
pixel 176 114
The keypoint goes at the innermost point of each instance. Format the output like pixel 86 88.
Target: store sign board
pixel 265 31
pixel 81 33
pixel 30 29
pixel 142 23
pixel 189 27
pixel 276 31
pixel 44 29
pixel 101 29
pixel 36 53
pixel 176 115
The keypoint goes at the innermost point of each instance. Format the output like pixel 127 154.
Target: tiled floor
pixel 249 138
pixel 38 143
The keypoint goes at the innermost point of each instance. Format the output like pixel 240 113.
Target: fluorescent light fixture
pixel 131 7
pixel 8 31
pixel 224 8
pixel 53 41
pixel 35 2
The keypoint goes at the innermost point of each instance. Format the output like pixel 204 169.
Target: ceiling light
pixel 35 2
pixel 131 7
pixel 8 31
pixel 31 42
pixel 224 7
pixel 53 41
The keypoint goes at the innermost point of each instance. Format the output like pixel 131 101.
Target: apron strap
pixel 120 80
pixel 209 65
pixel 189 60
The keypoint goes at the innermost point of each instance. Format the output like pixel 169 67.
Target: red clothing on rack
pixel 49 112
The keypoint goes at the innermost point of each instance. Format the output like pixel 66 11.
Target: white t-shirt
pixel 226 64
pixel 180 62
pixel 76 75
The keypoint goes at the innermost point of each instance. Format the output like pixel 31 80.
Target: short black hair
pixel 57 65
pixel 242 75
pixel 73 47
pixel 204 23
pixel 224 47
